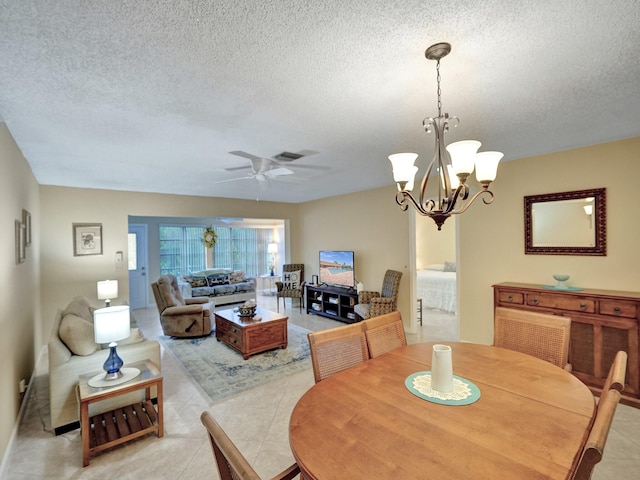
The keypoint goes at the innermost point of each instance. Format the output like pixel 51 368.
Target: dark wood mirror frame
pixel 599 215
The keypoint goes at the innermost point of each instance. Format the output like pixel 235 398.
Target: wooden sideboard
pixel 602 323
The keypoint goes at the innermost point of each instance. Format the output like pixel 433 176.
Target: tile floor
pixel 256 420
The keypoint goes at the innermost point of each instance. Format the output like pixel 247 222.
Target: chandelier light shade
pixel 451 164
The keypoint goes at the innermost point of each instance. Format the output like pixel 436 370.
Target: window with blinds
pixel 237 248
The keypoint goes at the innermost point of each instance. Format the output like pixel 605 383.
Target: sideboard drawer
pixel 511 297
pixel 618 308
pixel 570 303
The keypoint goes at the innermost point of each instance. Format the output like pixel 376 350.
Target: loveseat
pixel 72 352
pixel 223 285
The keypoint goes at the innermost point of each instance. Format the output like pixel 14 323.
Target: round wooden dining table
pixel 530 422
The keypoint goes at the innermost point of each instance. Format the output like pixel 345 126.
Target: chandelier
pixel 452 169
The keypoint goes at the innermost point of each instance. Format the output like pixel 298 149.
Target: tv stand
pixel 332 302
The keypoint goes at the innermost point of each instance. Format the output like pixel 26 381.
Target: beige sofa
pixel 74 325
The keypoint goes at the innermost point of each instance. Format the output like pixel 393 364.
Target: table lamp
pixel 107 289
pixel 111 324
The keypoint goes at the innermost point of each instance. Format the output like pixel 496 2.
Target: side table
pixel 120 425
pixel 271 279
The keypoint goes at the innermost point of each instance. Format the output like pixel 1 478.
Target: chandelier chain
pixel 439 91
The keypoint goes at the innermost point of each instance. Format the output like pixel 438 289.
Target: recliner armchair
pixel 373 304
pixel 181 317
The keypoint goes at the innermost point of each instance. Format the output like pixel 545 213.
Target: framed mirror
pixel 566 223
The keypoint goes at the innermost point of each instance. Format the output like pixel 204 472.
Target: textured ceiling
pixel 152 95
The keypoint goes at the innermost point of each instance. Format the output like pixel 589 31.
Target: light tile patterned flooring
pixel 256 420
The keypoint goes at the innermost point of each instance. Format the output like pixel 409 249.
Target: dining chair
pixel 232 465
pixel 384 333
pixel 337 349
pixel 594 448
pixel 617 373
pixel 542 335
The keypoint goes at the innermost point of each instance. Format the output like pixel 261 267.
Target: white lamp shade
pixel 487 166
pixel 272 248
pixel 107 289
pixel 588 209
pixel 111 324
pixel 463 155
pixel 403 168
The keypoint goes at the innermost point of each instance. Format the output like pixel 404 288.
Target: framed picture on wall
pixel 26 221
pixel 20 245
pixel 87 239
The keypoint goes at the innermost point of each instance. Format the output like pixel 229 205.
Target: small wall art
pixel 87 239
pixel 20 244
pixel 26 221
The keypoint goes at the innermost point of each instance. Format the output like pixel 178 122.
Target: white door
pixel 139 285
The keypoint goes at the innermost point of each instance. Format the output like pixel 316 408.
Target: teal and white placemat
pixel 464 391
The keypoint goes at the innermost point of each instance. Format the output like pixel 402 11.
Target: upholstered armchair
pixel 181 317
pixel 292 284
pixel 373 304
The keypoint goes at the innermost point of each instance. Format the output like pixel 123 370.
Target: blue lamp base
pixel 113 364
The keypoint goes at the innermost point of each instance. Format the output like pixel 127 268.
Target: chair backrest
pixel 594 448
pixel 232 465
pixel 337 349
pixel 390 284
pixel 384 333
pixel 167 292
pixel 542 335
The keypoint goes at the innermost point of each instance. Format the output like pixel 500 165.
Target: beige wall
pixel 19 284
pixel 491 237
pixel 434 246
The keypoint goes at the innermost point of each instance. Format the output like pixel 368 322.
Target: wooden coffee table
pixel 267 330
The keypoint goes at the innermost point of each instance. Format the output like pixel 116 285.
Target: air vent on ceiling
pixel 288 156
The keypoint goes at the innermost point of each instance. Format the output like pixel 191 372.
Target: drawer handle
pixel 535 300
pixel 583 306
pixel 617 309
pixel 510 298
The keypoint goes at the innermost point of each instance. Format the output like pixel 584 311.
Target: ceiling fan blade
pixel 276 172
pixel 309 167
pixel 233 169
pixel 234 179
pixel 240 153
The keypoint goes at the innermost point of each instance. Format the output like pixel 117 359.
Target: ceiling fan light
pixel 487 166
pixel 463 155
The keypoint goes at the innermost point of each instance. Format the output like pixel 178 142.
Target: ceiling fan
pixel 264 169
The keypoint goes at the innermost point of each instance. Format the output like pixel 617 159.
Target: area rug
pixel 221 371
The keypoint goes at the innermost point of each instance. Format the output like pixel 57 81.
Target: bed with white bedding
pixel 437 289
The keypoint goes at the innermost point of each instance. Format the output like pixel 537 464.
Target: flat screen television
pixel 337 268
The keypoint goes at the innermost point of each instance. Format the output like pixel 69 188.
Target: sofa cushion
pixel 77 334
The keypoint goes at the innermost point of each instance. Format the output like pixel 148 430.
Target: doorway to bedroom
pixel 435 281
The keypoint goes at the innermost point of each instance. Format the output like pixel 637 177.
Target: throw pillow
pixel 438 267
pixel 218 279
pixel 80 307
pixel 449 266
pixel 291 280
pixel 77 335
pixel 237 276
